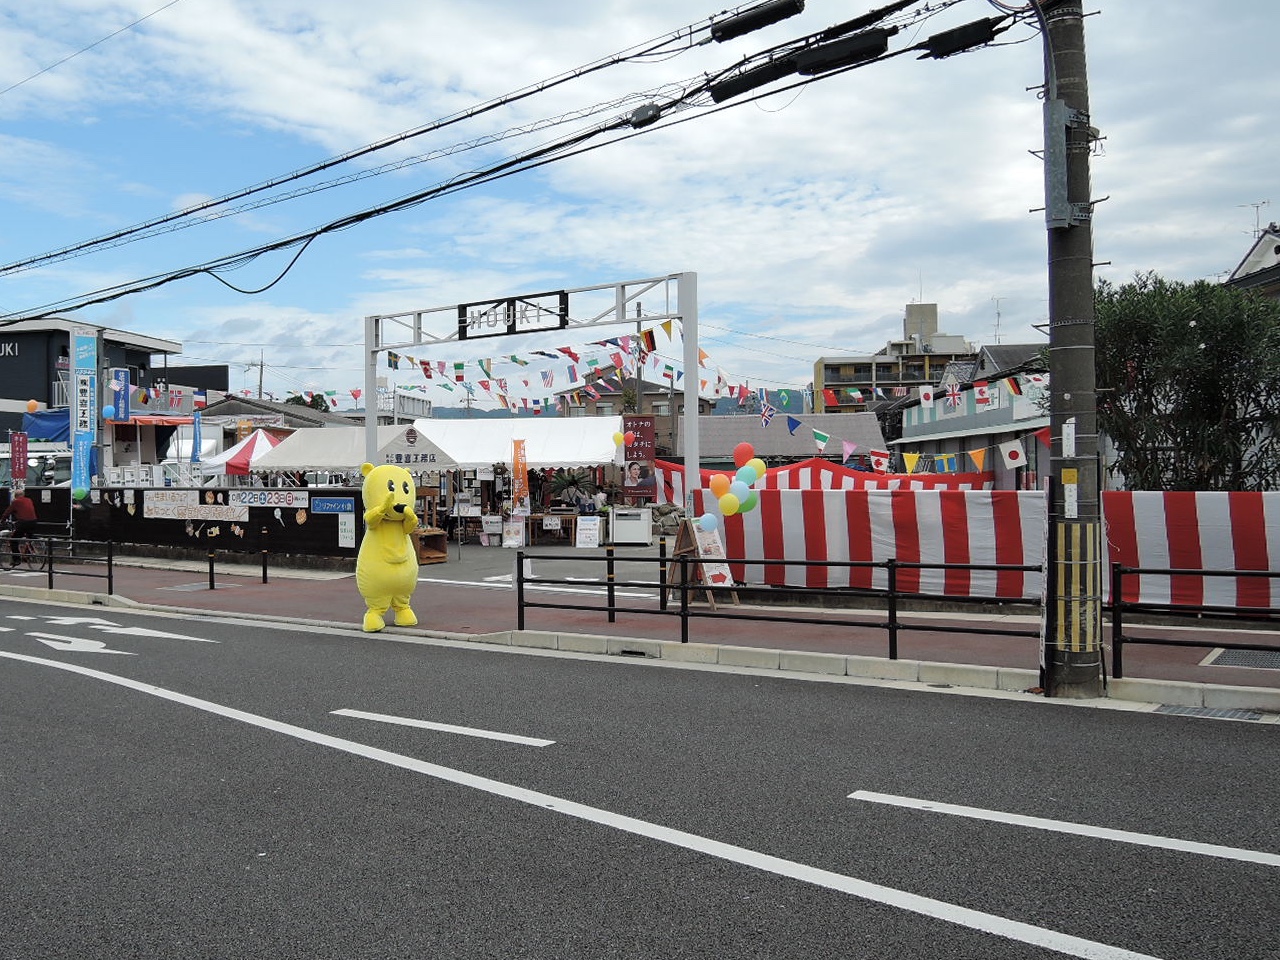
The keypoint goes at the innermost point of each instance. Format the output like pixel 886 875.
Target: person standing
pixel 23 510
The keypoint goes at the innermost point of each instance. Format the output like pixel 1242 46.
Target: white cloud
pixel 810 216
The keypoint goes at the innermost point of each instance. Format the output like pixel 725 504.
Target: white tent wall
pixel 549 442
pixel 342 449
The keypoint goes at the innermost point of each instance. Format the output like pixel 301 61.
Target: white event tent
pixel 339 449
pixel 549 442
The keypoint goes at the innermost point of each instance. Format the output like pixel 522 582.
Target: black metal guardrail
pixel 1119 606
pixel 684 585
pixel 67 557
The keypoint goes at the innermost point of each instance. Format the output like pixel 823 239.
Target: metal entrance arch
pixel 538 313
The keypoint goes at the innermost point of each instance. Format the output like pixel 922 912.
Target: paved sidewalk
pixel 472 596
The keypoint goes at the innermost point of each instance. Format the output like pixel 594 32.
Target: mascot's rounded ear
pixel 366 469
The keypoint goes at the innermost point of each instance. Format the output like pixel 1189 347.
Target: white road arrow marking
pixel 106 626
pixel 77 644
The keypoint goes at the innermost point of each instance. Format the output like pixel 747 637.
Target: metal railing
pixel 1119 606
pixel 677 576
pixel 63 556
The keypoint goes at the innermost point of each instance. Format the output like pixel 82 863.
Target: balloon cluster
pixel 628 438
pixel 735 495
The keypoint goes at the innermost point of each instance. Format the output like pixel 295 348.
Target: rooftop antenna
pixel 1257 215
pixel 996 301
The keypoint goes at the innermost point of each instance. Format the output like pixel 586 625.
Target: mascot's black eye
pixel 406 486
pixel 391 486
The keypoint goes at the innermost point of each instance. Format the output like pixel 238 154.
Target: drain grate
pixel 1215 712
pixel 1264 659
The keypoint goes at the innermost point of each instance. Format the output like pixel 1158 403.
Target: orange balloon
pixel 32 406
pixel 719 484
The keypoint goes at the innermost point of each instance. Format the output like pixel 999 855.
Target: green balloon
pixel 79 493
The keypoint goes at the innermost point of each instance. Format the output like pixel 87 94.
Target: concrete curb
pixel 932 674
pixel 957 676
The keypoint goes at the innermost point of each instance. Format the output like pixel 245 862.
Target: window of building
pixel 661 408
pixel 604 409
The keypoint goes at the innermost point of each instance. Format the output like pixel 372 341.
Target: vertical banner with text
pixel 120 391
pixel 639 479
pixel 18 458
pixel 84 432
pixel 519 477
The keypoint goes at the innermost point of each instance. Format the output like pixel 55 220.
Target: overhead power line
pixel 72 56
pixel 821 60
pixel 668 43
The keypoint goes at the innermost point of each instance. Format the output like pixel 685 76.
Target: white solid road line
pixel 925 906
pixel 444 728
pixel 1064 826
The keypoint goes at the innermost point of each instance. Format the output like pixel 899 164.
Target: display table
pixel 550 528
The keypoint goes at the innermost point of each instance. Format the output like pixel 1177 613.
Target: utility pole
pixel 1072 624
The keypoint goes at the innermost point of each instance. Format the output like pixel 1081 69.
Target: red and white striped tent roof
pixel 239 460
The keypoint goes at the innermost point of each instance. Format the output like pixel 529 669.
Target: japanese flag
pixel 1014 455
pixel 926 394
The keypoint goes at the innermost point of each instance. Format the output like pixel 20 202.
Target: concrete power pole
pixel 1073 620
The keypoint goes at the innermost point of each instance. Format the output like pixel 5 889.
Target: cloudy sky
pixel 811 216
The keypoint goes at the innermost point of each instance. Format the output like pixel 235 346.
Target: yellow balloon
pixel 758 465
pixel 618 438
pixel 729 504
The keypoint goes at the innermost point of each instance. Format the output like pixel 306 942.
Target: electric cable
pixel 571 146
pixel 636 52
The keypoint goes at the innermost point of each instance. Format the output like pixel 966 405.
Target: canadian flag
pixel 879 460
pixel 1014 455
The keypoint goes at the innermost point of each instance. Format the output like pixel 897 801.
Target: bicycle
pixel 28 554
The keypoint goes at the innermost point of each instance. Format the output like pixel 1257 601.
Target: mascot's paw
pixel 372 622
pixel 405 617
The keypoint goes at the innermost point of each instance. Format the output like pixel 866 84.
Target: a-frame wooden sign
pixel 710 569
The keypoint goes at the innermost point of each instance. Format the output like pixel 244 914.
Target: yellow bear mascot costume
pixel 387 564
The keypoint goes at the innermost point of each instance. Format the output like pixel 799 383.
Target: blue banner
pixel 84 410
pixel 120 394
pixel 195 437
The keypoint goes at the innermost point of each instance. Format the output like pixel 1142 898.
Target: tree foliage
pixel 1189 384
pixel 317 401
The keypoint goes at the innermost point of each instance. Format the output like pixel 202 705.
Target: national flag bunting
pixel 1014 455
pixel 766 414
pixel 821 439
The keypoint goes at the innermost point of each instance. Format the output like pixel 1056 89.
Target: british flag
pixel 953 394
pixel 767 411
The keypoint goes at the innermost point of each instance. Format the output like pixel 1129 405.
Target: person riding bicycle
pixel 23 511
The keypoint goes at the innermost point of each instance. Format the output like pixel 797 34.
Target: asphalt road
pixel 199 787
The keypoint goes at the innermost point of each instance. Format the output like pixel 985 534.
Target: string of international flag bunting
pixel 600 368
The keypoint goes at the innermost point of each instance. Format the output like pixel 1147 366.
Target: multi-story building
pixel 848 384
